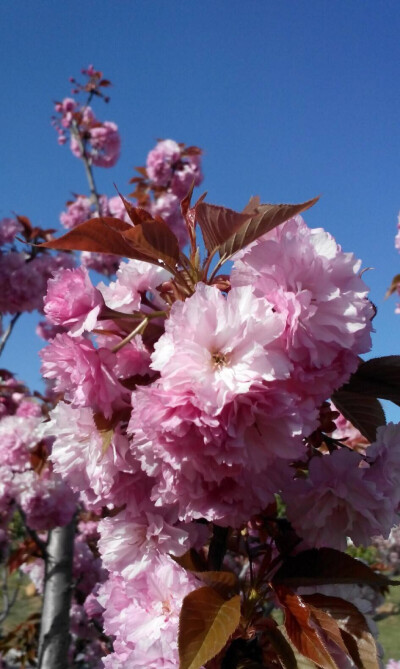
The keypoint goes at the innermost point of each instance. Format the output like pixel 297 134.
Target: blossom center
pixel 219 359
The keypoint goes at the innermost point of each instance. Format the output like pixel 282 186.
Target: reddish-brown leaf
pixel 378 377
pixel 393 286
pixel 191 561
pixel 206 623
pixel 154 240
pixel 217 224
pixel 131 210
pixel 365 413
pixel 281 646
pixel 252 205
pixel 302 634
pixel 327 565
pixel 101 235
pixel 353 627
pixel 266 218
pixel 224 582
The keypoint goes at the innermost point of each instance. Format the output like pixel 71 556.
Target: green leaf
pixel 265 218
pixel 319 566
pixel 206 623
pixel 302 633
pixel 378 377
pixel 365 413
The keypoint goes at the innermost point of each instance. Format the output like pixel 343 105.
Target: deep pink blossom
pixel 160 162
pixel 78 455
pixel 83 373
pixel 46 500
pixel 339 499
pixel 134 279
pixel 132 538
pixel 318 291
pixel 73 301
pixel 142 613
pixel 168 206
pixel 220 347
pixel 102 263
pixel 77 212
pixel 9 228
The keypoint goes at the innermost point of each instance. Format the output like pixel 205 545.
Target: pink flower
pixel 222 467
pixel 102 263
pixel 160 161
pixel 83 373
pixel 339 499
pixel 78 455
pixel 133 537
pixel 46 500
pixel 317 289
pixel 78 211
pixel 72 301
pixel 167 205
pixel 220 347
pixel 105 144
pixel 134 279
pixel 187 173
pixel 384 456
pixel 9 228
pixel 143 613
pixel 18 434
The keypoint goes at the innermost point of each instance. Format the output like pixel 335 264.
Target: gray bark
pixel 54 628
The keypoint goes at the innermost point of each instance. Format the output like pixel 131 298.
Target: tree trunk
pixel 54 629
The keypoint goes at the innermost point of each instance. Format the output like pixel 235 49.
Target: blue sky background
pixel 287 99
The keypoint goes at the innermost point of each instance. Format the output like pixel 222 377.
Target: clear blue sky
pixel 287 99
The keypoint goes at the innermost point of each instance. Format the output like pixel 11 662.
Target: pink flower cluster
pixel 43 496
pixel 99 142
pixel 196 409
pixel 355 498
pixel 24 275
pixel 172 170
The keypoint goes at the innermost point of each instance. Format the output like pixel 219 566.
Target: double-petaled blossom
pixel 72 301
pixel 83 373
pixel 142 613
pixel 342 497
pixel 317 289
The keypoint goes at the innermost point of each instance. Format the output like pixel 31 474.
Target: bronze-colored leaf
pixel 206 623
pixel 154 240
pixel 378 377
pixel 318 566
pixel 266 218
pixel 281 646
pixel 393 286
pixel 131 210
pixel 100 235
pixel 365 413
pixel 356 636
pixel 224 582
pixel 301 631
pixel 252 205
pixel 217 223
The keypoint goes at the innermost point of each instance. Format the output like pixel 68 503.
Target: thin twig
pixel 140 328
pixel 8 331
pixel 88 167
